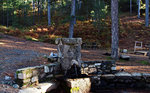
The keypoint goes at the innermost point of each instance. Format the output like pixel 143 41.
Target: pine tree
pixel 114 29
pixel 73 18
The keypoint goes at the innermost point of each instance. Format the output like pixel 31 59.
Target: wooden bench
pixel 138 48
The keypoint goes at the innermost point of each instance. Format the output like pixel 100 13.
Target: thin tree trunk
pixel 147 13
pixel 41 9
pixel 33 5
pixel 73 19
pixel 49 13
pixel 114 29
pixel 38 10
pixel 7 15
pixel 45 2
pixel 139 6
pixel 3 14
pixel 130 7
pixel 24 13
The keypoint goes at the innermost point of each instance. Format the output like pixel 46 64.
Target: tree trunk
pixel 41 9
pixel 114 29
pixel 7 15
pixel 33 5
pixel 3 14
pixel 147 13
pixel 25 13
pixel 73 19
pixel 38 5
pixel 49 13
pixel 139 6
pixel 130 7
pixel 45 6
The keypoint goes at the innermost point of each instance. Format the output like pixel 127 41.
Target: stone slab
pixel 41 88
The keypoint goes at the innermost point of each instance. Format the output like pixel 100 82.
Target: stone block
pixel 68 41
pixel 108 76
pixel 24 73
pixel 136 76
pixel 123 75
pixel 80 85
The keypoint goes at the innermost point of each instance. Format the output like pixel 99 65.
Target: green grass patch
pixel 109 58
pixel 122 60
pixel 144 62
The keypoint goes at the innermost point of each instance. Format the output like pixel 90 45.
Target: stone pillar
pixel 69 52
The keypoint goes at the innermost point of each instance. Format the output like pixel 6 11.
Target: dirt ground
pixel 17 53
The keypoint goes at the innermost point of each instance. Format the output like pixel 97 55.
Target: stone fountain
pixel 69 55
pixel 73 75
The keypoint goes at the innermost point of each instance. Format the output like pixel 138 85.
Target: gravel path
pixel 17 53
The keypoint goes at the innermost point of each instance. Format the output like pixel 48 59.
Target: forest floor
pixel 17 53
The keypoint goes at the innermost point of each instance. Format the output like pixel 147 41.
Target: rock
pixel 15 86
pixel 125 57
pixel 7 78
pixel 53 57
pixel 124 51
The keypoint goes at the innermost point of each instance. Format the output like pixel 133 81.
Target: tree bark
pixel 139 5
pixel 38 5
pixel 33 5
pixel 41 9
pixel 114 29
pixel 3 14
pixel 147 13
pixel 49 13
pixel 7 15
pixel 130 7
pixel 73 18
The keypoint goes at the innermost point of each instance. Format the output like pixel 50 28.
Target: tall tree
pixel 49 12
pixel 7 14
pixel 114 29
pixel 139 6
pixel 38 5
pixel 73 18
pixel 147 13
pixel 33 9
pixel 3 13
pixel 130 7
pixel 41 8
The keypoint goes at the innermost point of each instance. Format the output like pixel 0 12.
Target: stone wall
pixel 121 80
pixel 30 76
pixel 98 67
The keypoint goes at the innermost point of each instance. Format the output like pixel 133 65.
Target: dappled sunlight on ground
pixel 27 45
pixel 50 49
